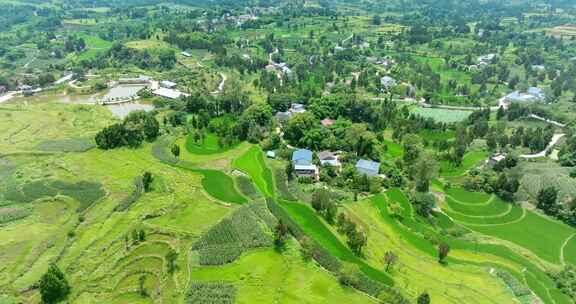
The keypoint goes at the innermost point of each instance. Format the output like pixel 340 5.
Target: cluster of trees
pixel 136 127
pixel 323 204
pixel 356 238
pixel 500 183
pixel 547 201
pixel 120 56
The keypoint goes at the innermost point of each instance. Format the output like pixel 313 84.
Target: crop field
pixel 317 230
pixel 485 255
pixel 252 163
pixel 265 274
pixel 208 146
pixel 416 270
pixel 393 149
pixel 226 241
pixel 29 127
pixel 94 45
pixel 441 115
pixel 539 175
pixel 469 161
pixel 524 228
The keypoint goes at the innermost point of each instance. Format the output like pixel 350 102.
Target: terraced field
pixel 490 216
pixel 491 255
pixel 252 163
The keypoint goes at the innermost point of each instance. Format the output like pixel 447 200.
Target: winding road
pixel 554 141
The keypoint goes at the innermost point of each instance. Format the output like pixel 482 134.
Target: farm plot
pixel 261 275
pixel 86 193
pixel 569 250
pixel 423 238
pixel 442 115
pixel 455 283
pixel 536 233
pixel 470 159
pixel 317 230
pixel 209 145
pixel 494 207
pixel 252 163
pixel 226 241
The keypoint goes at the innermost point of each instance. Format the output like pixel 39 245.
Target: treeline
pixel 120 56
pixel 137 127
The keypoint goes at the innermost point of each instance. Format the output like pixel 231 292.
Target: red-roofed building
pixel 327 122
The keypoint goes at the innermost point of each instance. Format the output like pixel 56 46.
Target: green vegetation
pixel 442 115
pixel 252 163
pixel 209 145
pixel 317 230
pixel 226 241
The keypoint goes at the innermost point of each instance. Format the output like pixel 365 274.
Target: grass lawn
pixel 317 230
pixel 252 163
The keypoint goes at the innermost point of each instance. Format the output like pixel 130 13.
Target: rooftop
pixel 302 157
pixel 368 165
pixel 168 93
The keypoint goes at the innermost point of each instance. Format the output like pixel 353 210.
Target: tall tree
pixel 54 287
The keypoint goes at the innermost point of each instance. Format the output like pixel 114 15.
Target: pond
pixel 122 110
pixel 123 92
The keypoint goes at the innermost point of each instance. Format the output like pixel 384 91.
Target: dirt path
pixel 221 84
pixel 563 247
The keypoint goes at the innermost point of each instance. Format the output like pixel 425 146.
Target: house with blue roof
pixel 368 167
pixel 303 167
pixel 533 94
pixel 302 157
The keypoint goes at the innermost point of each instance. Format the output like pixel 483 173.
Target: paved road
pixel 554 141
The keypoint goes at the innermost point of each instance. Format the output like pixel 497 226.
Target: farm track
pixel 564 247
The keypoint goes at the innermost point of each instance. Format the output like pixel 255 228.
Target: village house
pixel 169 93
pixel 327 122
pixel 167 84
pixel 496 158
pixel 368 167
pixel 387 82
pixel 533 94
pixel 302 161
pixel 271 154
pixel 142 79
pixel 296 108
pixel 186 54
pixel 328 158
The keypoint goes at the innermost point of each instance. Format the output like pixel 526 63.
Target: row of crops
pixel 211 293
pixel 227 240
pixel 86 193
